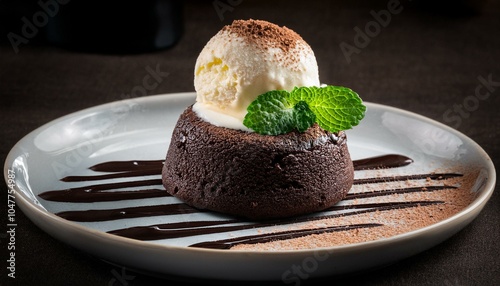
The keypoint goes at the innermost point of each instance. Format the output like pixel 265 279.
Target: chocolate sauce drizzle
pixel 383 162
pixel 118 170
pixel 123 213
pixel 252 239
pixel 433 176
pixel 101 193
pixel 177 230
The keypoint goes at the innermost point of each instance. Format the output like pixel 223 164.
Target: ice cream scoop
pixel 246 59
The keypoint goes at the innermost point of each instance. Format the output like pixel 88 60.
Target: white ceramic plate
pixel 139 129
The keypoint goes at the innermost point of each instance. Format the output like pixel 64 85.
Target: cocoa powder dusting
pixel 394 221
pixel 265 34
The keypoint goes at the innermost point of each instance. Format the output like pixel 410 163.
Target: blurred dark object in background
pixel 113 26
pixel 109 26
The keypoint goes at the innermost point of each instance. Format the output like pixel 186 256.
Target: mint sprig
pixel 272 114
pixel 334 108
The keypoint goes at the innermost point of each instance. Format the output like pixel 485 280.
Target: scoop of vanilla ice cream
pixel 244 60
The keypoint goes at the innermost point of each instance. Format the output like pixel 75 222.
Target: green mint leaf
pixel 336 108
pixel 272 114
pixel 304 117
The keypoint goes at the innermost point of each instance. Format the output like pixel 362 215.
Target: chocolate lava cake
pixel 256 176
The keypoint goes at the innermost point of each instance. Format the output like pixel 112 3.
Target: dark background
pixel 427 60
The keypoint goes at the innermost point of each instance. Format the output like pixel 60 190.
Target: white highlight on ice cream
pixel 218 118
pixel 232 71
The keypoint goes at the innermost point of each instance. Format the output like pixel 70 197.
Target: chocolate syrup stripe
pixel 136 173
pixel 378 193
pixel 120 169
pixel 172 209
pixel 130 212
pixel 431 176
pixel 84 196
pixel 178 230
pixel 127 166
pixel 381 162
pixel 101 192
pixel 262 238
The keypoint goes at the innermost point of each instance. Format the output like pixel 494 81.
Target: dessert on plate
pixel 264 140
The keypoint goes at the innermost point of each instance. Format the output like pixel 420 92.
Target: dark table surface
pixel 427 58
